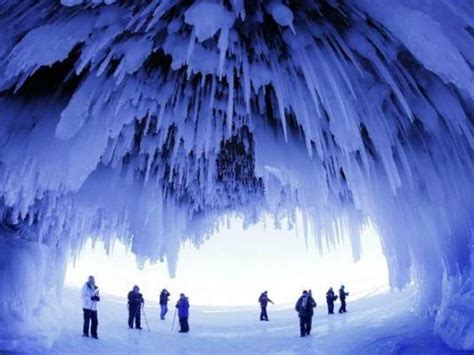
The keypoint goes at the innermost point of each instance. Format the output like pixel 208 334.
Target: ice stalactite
pixel 150 121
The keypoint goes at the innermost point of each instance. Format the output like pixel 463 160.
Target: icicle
pixel 230 103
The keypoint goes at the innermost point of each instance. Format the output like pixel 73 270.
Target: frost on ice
pixel 153 121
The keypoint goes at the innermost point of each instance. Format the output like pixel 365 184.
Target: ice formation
pixel 151 121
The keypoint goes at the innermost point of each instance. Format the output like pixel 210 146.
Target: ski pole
pixel 174 320
pixel 146 320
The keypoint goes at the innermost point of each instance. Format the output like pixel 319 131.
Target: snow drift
pixel 151 121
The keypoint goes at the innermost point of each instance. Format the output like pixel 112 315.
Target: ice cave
pixel 153 122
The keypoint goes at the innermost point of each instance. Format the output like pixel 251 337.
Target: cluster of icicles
pixel 151 121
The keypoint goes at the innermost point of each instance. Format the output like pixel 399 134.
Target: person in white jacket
pixel 90 297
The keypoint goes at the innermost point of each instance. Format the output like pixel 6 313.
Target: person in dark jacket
pixel 305 308
pixel 164 298
pixel 183 313
pixel 263 300
pixel 135 303
pixel 342 296
pixel 330 298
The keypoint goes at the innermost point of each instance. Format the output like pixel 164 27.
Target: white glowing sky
pixel 235 265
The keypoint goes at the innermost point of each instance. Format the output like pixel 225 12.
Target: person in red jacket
pixel 183 313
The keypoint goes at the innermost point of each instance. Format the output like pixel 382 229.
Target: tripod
pixel 146 320
pixel 174 320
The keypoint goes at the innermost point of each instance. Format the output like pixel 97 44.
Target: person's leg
pixel 95 323
pixel 181 324
pixel 308 325
pixel 164 311
pixel 341 307
pixel 131 312
pixel 261 312
pixel 265 314
pixel 302 327
pixel 87 318
pixel 344 306
pixel 186 325
pixel 138 318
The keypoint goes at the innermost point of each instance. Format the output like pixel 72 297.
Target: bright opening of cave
pixel 262 258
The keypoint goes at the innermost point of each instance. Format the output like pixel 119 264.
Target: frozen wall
pixel 31 277
pixel 150 121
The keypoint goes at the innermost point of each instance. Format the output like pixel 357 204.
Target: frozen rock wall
pixel 31 278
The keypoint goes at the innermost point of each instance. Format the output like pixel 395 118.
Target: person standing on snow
pixel 183 313
pixel 164 298
pixel 305 308
pixel 263 300
pixel 342 296
pixel 135 303
pixel 330 298
pixel 90 297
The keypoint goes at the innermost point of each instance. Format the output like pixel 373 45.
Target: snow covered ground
pixel 380 324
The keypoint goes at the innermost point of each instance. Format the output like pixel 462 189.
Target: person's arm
pixel 297 306
pixel 269 300
pixel 96 297
pixel 84 295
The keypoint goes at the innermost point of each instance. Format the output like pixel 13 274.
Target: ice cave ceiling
pixel 148 121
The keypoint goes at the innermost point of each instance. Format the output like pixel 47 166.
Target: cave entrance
pixel 236 264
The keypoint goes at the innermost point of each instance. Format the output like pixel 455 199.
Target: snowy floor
pixel 380 324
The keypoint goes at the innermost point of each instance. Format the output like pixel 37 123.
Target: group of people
pixel 136 302
pixel 305 307
pixel 331 298
pixel 90 297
